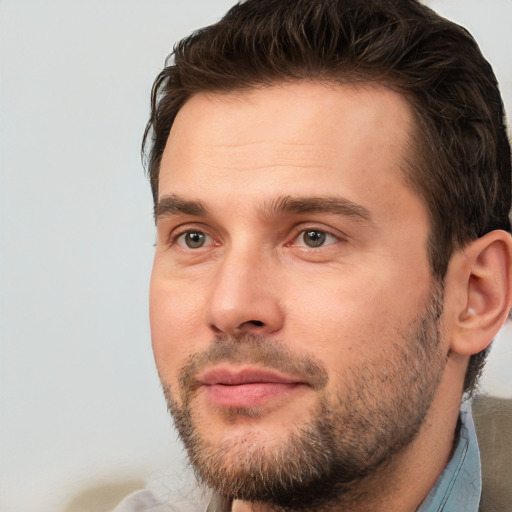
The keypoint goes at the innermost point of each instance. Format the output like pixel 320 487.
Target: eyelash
pixel 175 236
pixel 300 230
pixel 303 230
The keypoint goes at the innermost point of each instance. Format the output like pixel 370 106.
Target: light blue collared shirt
pixel 459 486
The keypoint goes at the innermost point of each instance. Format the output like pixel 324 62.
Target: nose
pixel 245 296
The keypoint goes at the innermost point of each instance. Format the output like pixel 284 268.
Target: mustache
pixel 253 350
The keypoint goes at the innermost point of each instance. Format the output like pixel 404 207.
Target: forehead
pixel 300 134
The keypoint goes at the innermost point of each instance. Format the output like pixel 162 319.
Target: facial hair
pixel 375 411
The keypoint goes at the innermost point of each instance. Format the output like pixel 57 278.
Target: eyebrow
pixel 323 204
pixel 175 205
pixel 172 204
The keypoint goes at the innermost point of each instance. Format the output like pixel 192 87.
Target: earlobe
pixel 481 278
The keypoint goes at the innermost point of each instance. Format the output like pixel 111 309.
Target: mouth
pixel 247 387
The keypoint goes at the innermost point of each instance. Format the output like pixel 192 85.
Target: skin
pixel 342 302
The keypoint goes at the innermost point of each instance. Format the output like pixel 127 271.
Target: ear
pixel 478 292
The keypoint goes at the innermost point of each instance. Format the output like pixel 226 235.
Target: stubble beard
pixel 351 435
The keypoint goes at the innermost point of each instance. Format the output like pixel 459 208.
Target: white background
pixel 80 403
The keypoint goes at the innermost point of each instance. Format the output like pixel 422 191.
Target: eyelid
pixel 177 231
pixel 181 240
pixel 302 228
pixel 183 229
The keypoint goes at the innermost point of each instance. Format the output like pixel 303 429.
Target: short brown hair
pixel 461 159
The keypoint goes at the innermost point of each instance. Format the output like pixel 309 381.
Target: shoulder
pixel 146 500
pixel 140 501
pixel 493 422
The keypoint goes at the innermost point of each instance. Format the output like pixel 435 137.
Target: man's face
pixel 293 313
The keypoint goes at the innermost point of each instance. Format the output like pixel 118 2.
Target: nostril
pixel 257 323
pixel 250 325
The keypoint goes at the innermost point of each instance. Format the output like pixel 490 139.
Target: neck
pixel 403 483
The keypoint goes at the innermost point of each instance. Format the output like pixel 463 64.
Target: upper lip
pixel 246 375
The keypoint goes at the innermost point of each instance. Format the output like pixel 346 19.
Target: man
pixel 332 186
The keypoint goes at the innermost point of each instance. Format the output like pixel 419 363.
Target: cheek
pixel 175 320
pixel 353 314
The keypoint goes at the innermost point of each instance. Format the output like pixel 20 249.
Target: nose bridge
pixel 245 292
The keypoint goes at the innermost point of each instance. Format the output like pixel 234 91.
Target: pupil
pixel 314 238
pixel 194 240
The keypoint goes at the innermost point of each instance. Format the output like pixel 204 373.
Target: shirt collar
pixel 459 486
pixel 219 504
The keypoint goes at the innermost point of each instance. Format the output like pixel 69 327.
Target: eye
pixel 314 238
pixel 194 240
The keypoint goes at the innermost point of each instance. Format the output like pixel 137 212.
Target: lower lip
pixel 248 395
